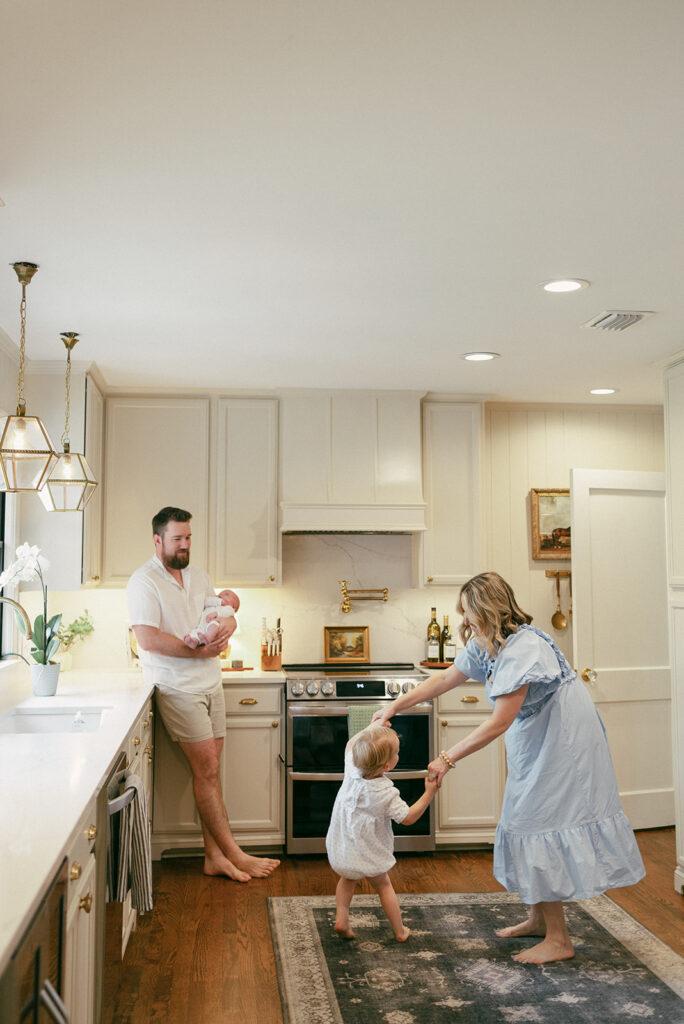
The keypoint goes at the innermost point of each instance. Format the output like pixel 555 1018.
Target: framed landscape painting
pixel 550 521
pixel 345 644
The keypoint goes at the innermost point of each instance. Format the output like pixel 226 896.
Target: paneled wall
pixel 536 446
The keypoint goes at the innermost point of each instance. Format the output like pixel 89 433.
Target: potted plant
pixel 44 635
pixel 72 634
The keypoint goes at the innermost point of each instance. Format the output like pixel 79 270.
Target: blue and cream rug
pixel 454 969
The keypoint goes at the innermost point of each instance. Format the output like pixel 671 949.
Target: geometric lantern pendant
pixel 70 485
pixel 26 453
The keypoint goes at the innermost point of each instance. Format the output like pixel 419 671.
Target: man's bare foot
pixel 403 935
pixel 532 926
pixel 256 867
pixel 344 931
pixel 223 866
pixel 546 952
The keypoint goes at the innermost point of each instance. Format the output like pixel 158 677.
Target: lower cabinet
pixel 140 751
pixel 82 911
pixel 252 776
pixel 469 802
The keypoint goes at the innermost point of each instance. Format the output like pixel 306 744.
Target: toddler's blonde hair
pixel 372 748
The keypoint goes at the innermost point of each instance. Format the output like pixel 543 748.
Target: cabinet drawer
pixel 81 848
pixel 469 697
pixel 260 699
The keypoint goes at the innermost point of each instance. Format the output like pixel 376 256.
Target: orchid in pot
pixel 28 565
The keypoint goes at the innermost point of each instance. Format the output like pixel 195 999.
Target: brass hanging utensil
pixel 558 620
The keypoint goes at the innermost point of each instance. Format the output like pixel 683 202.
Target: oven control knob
pixel 312 689
pixel 327 689
pixel 297 689
pixel 393 688
pixel 408 686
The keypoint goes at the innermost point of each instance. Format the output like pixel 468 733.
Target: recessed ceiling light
pixel 568 284
pixel 480 357
pixel 603 391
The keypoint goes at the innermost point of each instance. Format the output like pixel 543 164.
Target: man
pixel 165 601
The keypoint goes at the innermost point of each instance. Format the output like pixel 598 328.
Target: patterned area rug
pixel 453 968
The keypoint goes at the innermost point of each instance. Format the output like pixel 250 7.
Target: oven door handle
pixel 407 775
pixel 316 776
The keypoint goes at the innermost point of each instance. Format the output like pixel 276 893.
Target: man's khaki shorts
pixel 192 717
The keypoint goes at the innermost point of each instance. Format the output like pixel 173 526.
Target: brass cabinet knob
pixel 470 700
pixel 148 749
pixel 136 741
pixel 249 700
pixel 444 722
pixel 95 579
pixel 75 872
pixel 430 579
pixel 146 723
pixel 150 714
pixel 589 675
pixel 86 902
pixel 275 725
pixel 92 832
pixel 271 579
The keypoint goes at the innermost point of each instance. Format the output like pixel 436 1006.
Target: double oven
pixel 321 703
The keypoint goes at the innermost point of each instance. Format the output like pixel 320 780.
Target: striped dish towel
pixel 360 717
pixel 135 847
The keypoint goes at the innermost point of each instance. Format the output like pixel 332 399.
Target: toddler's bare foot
pixel 532 926
pixel 190 641
pixel 546 952
pixel 344 931
pixel 403 935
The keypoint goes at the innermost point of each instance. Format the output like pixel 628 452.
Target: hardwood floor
pixel 204 954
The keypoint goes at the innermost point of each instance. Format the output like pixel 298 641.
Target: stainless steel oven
pixel 318 702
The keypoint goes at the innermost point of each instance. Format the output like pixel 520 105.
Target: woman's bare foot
pixel 256 867
pixel 546 952
pixel 344 931
pixel 403 935
pixel 223 866
pixel 532 926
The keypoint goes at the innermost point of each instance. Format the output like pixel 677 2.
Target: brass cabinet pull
pixel 146 723
pixel 430 579
pixel 470 700
pixel 150 714
pixel 148 749
pixel 86 902
pixel 271 579
pixel 275 724
pixel 589 675
pixel 249 700
pixel 444 722
pixel 136 741
pixel 75 872
pixel 95 579
pixel 92 832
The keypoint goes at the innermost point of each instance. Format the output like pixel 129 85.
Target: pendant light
pixel 26 453
pixel 70 483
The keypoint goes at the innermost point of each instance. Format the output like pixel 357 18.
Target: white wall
pixel 530 446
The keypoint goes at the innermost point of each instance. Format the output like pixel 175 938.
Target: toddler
pixel 360 842
pixel 223 606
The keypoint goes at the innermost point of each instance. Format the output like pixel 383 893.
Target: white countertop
pixel 48 781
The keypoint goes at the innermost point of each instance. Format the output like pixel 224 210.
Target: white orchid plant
pixel 29 565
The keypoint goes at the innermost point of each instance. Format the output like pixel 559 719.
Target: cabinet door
pixel 246 505
pixel 79 982
pixel 157 454
pixel 469 802
pixel 94 452
pixel 451 479
pixel 253 798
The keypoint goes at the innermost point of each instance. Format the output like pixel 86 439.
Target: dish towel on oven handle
pixel 135 847
pixel 360 716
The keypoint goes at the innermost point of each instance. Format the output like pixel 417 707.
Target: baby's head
pixel 373 749
pixel 230 598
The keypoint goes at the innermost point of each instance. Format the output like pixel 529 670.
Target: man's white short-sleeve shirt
pixel 155 598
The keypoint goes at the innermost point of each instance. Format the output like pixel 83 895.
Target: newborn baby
pixel 223 606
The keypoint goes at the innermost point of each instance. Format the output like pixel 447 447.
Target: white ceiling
pixel 346 193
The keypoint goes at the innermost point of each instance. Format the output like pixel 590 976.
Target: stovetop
pixel 373 669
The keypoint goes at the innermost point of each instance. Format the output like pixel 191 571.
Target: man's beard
pixel 178 561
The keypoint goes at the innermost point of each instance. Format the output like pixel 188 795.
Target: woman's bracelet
pixel 447 760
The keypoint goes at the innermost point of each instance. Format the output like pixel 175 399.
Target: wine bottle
pixel 433 637
pixel 448 642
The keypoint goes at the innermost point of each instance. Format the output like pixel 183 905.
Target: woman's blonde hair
pixel 372 748
pixel 493 610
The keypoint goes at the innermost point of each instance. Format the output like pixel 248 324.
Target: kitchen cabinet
pixel 83 907
pixel 450 548
pixel 140 752
pixel 245 503
pixel 253 775
pixel 91 560
pixel 157 454
pixel 469 801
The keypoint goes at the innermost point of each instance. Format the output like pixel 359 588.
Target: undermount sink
pixel 59 719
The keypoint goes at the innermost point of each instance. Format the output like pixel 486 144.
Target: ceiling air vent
pixel 617 319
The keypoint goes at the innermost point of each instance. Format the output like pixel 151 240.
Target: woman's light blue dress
pixel 562 834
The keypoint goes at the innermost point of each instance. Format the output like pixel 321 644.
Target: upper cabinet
pixel 91 561
pixel 245 502
pixel 157 454
pixel 451 548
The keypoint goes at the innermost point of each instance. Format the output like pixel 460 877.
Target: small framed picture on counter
pixel 550 520
pixel 345 644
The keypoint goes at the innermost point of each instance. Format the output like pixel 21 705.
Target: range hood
pixel 350 462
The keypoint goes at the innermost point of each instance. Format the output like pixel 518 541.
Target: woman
pixel 563 833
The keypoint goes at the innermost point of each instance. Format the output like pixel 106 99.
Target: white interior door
pixel 620 629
